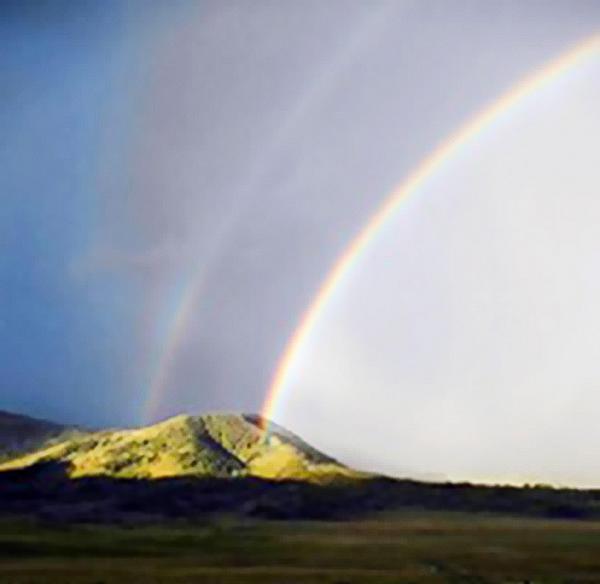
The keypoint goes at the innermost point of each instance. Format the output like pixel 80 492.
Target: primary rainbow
pixel 425 169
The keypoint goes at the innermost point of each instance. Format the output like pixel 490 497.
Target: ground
pixel 404 547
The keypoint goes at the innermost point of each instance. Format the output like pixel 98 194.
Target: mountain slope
pixel 216 445
pixel 19 434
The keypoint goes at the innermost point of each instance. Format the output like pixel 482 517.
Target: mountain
pixel 214 445
pixel 194 467
pixel 19 434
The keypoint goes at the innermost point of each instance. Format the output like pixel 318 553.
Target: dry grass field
pixel 406 547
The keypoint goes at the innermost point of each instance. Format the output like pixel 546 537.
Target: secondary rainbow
pixel 178 319
pixel 171 330
pixel 445 150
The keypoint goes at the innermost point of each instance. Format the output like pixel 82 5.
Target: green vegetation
pixel 411 547
pixel 218 445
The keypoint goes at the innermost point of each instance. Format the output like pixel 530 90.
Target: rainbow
pixel 186 296
pixel 185 305
pixel 445 150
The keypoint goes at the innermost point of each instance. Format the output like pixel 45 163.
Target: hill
pixel 191 467
pixel 215 445
pixel 19 434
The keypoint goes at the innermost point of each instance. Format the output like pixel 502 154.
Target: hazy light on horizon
pixel 466 343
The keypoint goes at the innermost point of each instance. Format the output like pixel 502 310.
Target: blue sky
pixel 67 110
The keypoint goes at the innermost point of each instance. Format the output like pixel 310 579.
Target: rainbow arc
pixel 442 154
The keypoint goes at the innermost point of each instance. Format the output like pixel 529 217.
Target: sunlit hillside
pixel 218 445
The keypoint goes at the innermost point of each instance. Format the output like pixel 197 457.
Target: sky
pixel 178 178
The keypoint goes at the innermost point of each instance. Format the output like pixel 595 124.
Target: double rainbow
pixel 444 152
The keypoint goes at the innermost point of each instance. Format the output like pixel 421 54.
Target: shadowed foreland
pixel 98 530
pixel 47 492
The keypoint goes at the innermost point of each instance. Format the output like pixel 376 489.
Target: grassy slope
pixel 19 434
pixel 419 548
pixel 220 445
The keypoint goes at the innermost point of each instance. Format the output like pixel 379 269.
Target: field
pixel 408 547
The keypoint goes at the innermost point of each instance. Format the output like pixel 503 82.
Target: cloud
pixel 103 259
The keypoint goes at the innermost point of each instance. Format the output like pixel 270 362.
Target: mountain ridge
pixel 221 445
pixel 194 467
pixel 20 433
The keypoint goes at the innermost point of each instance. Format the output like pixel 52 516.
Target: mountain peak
pixel 215 444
